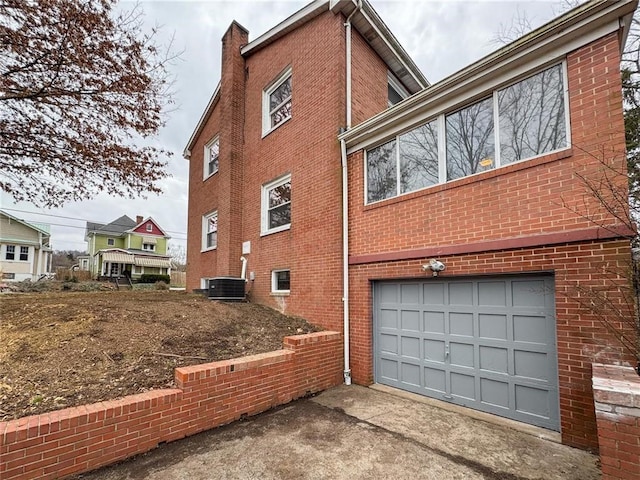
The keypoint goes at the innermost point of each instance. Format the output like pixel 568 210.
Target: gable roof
pixel 365 19
pixel 117 227
pixel 40 228
pixel 164 234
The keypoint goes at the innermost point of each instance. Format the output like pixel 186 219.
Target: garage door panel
pixel 410 294
pixel 410 320
pixel 463 386
pixel 434 350
pixel 388 343
pixel 435 381
pixel 493 326
pixel 461 324
pixel 434 322
pixel 460 293
pixel 433 293
pixel 462 354
pixel 531 329
pixel 492 294
pixel 529 293
pixel 495 393
pixel 410 347
pixel 389 369
pixel 533 365
pixel 410 374
pixel 486 343
pixel 494 359
pixel 388 318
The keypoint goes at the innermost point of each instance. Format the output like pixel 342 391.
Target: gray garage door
pixel 485 343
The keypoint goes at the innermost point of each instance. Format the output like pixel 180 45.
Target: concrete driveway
pixel 362 433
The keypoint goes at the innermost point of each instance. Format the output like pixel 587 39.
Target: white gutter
pixel 345 203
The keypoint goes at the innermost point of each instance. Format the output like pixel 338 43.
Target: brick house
pixel 481 173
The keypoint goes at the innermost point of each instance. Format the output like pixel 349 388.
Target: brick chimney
pixel 139 219
pixel 232 92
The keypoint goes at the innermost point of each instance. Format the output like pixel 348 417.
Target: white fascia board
pixel 203 118
pixel 291 23
pixel 550 42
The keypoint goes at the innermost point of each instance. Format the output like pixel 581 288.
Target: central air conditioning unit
pixel 228 289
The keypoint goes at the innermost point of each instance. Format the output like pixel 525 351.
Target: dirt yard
pixel 62 349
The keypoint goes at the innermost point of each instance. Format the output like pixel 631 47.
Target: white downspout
pixel 345 202
pixel 243 275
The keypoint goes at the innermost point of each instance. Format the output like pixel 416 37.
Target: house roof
pixel 551 41
pixel 365 20
pixel 40 228
pixel 118 227
pixel 164 234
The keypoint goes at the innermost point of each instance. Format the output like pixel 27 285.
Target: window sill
pixel 272 129
pixel 276 230
pixel 209 176
pixel 208 249
pixel 283 293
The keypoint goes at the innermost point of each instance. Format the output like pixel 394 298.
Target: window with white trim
pixel 521 121
pixel 211 157
pixel 210 231
pixel 149 227
pixel 149 246
pixel 10 252
pixel 395 91
pixel 280 281
pixel 24 254
pixel 276 103
pixel 111 242
pixel 276 205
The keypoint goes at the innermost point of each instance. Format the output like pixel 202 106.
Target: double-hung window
pixel 276 103
pixel 10 253
pixel 24 254
pixel 276 205
pixel 211 157
pixel 210 231
pixel 149 246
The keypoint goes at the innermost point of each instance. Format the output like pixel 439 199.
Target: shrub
pixel 153 278
pixel 161 286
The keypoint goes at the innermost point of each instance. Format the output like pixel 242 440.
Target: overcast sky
pixel 441 36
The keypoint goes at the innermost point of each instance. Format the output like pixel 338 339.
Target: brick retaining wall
pixel 616 391
pixel 79 439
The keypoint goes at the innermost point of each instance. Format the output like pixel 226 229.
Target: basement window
pixel 281 281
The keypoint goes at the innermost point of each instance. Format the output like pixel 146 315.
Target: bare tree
pixel 178 257
pixel 81 88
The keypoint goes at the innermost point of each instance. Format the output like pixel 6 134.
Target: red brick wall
pixel 306 146
pixel 534 216
pixel 617 396
pixel 80 439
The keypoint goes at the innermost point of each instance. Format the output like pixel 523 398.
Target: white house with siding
pixel 25 249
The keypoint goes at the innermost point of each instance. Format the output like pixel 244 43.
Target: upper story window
pixel 276 103
pixel 211 157
pixel 24 254
pixel 111 242
pixel 276 205
pixel 149 246
pixel 10 253
pixel 210 231
pixel 521 121
pixel 149 227
pixel 395 91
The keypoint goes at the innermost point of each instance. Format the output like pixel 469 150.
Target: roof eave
pixel 585 17
pixel 203 119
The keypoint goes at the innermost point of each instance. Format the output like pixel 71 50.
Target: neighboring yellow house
pixel 25 249
pixel 126 247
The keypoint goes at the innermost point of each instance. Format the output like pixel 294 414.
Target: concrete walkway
pixel 362 433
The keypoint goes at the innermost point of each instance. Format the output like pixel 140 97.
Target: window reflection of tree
pixel 280 205
pixel 280 103
pixel 470 139
pixel 532 116
pixel 419 158
pixel 381 172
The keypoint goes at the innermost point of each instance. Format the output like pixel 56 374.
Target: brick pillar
pixel 232 93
